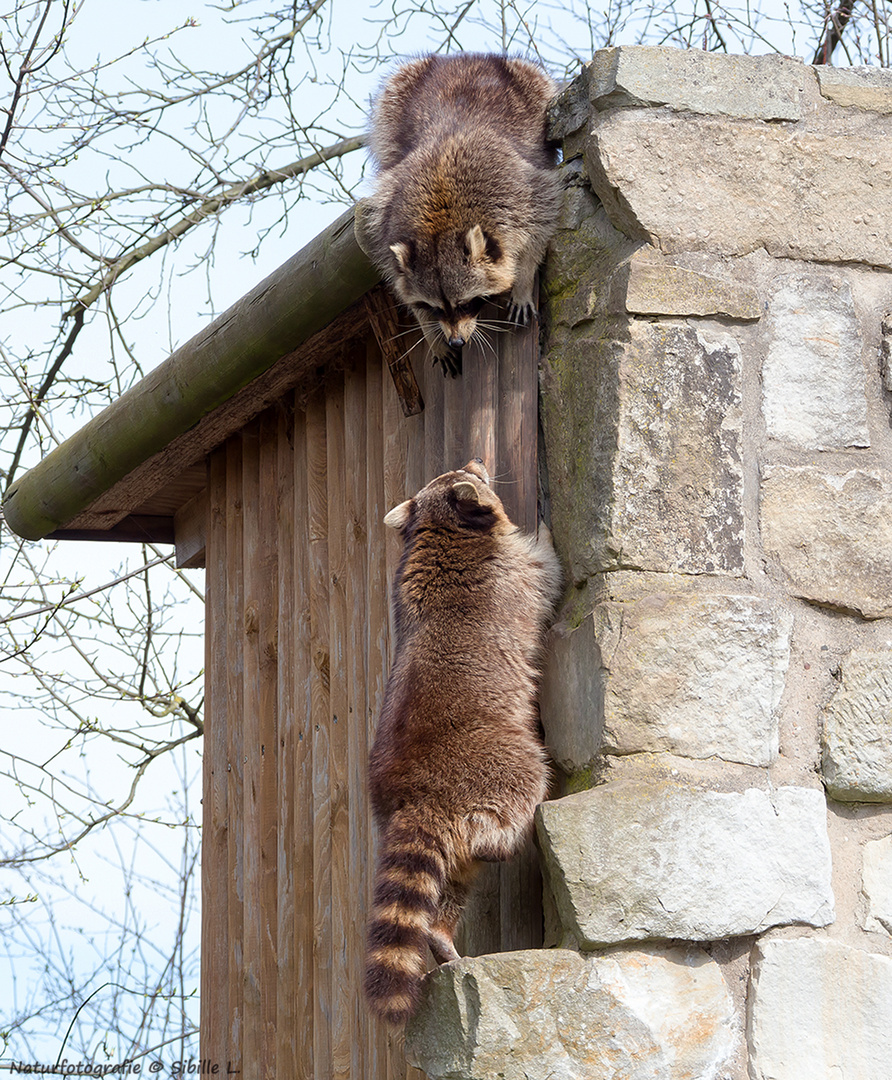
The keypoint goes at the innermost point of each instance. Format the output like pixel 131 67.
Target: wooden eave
pixel 138 466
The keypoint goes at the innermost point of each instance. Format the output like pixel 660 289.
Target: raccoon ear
pixel 403 254
pixel 476 243
pixel 399 515
pixel 466 491
pixel 482 246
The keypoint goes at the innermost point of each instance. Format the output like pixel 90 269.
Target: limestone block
pixel 819 1009
pixel 761 87
pixel 830 534
pixel 698 184
pixel 863 87
pixel 876 884
pixel 813 379
pixel 857 734
pixel 650 285
pixel 643 433
pixel 700 676
pixel 886 350
pixel 631 861
pixel 654 1014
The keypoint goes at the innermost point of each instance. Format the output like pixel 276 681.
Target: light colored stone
pixel 649 285
pixel 634 860
pixel 876 884
pixel 819 1010
pixel 698 184
pixel 643 438
pixel 862 87
pixel 649 1014
pixel 761 87
pixel 857 734
pixel 700 676
pixel 830 535
pixel 813 379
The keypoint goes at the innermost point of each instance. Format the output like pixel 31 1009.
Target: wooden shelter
pixel 268 450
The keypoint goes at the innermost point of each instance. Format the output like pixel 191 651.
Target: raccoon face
pixel 446 282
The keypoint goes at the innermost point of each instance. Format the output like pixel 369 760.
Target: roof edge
pixel 277 316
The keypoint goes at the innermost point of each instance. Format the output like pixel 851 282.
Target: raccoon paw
pixel 521 313
pixel 449 360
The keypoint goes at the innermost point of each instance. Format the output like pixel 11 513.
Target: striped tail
pixel 409 883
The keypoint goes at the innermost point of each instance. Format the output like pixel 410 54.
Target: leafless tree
pixel 137 167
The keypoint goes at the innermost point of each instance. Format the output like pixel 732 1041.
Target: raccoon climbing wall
pixel 716 406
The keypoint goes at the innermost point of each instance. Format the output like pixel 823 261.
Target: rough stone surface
pixel 700 676
pixel 688 183
pixel 760 87
pixel 813 379
pixel 819 1010
pixel 643 438
pixel 830 534
pixel 651 285
pixel 877 885
pixel 631 861
pixel 656 1014
pixel 864 87
pixel 857 736
pixel 886 350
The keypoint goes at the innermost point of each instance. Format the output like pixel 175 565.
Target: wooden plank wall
pixel 298 645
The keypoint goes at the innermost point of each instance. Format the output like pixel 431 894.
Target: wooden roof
pixel 132 469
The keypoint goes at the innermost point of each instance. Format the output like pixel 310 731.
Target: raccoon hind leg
pixel 452 903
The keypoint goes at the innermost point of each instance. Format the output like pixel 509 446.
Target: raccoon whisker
pixel 410 349
pixel 404 333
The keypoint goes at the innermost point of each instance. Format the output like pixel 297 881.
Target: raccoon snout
pixel 456 342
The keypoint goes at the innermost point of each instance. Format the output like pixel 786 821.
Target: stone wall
pixel 716 394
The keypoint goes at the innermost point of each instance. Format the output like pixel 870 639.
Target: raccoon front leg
pixel 522 305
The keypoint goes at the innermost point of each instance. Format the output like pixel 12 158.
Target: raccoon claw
pixel 521 314
pixel 450 361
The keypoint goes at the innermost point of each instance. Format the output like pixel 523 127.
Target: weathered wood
pixel 356 598
pixel 290 652
pixel 320 716
pixel 235 710
pixel 302 855
pixel 394 344
pixel 189 527
pixel 341 895
pixel 260 738
pixel 215 883
pixel 296 301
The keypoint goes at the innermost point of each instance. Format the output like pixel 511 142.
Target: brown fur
pixel 457 767
pixel 467 196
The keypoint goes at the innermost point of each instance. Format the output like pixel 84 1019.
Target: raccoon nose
pixel 456 342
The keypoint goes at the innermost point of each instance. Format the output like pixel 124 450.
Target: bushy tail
pixel 409 882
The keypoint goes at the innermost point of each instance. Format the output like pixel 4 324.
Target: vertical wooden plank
pixel 358 469
pixel 341 899
pixel 260 796
pixel 376 638
pixel 320 683
pixel 480 930
pixel 302 851
pixel 520 881
pixel 215 883
pixel 235 773
pixel 480 376
pixel 434 401
pixel 287 872
pixel 516 463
